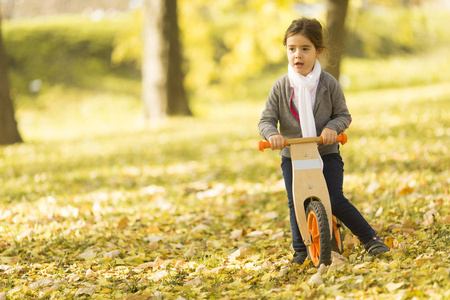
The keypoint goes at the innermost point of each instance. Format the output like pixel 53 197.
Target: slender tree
pixel 9 134
pixel 337 11
pixel 162 75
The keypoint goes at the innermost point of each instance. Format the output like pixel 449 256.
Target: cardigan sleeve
pixel 270 116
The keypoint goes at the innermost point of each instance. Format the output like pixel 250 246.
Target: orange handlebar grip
pixel 263 145
pixel 342 138
pixel 266 145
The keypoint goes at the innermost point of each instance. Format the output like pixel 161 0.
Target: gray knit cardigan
pixel 330 110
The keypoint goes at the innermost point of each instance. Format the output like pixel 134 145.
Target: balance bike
pixel 311 199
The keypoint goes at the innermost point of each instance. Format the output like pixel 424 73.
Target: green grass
pixel 93 178
pixel 397 72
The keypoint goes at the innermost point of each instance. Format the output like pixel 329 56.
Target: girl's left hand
pixel 329 136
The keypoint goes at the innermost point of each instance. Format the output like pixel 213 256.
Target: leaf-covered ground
pixel 98 207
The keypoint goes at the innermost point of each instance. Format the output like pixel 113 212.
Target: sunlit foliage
pixel 95 205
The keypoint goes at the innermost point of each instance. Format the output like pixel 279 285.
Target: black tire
pixel 320 249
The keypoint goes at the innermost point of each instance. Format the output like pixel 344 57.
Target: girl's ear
pixel 319 52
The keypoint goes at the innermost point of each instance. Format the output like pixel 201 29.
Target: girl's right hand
pixel 277 141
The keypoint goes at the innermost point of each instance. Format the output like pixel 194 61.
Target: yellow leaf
pixel 190 253
pixel 153 246
pixel 134 260
pixel 123 223
pixel 158 263
pixel 266 277
pixel 390 242
pixel 394 286
pixel 103 281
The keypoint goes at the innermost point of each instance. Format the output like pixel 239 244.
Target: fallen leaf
pixel 123 223
pixel 74 278
pixel 337 261
pixel 89 273
pixel 316 279
pixel 266 277
pixel 87 290
pixel 154 238
pixel 179 263
pixel 405 190
pixel 112 254
pixel 267 265
pixel 159 263
pixel 153 246
pixel 217 270
pixel 103 281
pixel 88 254
pixel 350 240
pixel 304 286
pixel 284 270
pixel 139 296
pixel 429 217
pixel 409 224
pixel 145 266
pixel 446 220
pixel 391 243
pixel 271 215
pixel 322 269
pixel 27 234
pixel 236 253
pixel 190 253
pixel 256 233
pixel 236 234
pixel 377 227
pixel 194 282
pixel 44 282
pixel 394 286
pixel 200 228
pixel 277 236
pixel 422 258
pixel 159 275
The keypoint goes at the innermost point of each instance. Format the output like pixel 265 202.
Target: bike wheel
pixel 320 249
pixel 336 242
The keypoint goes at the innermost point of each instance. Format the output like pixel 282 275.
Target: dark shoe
pixel 376 246
pixel 299 257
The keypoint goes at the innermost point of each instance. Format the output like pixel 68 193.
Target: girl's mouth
pixel 298 65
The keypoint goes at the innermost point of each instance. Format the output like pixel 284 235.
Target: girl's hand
pixel 276 141
pixel 329 136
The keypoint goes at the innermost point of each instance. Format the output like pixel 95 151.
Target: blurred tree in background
pixel 9 134
pixel 226 44
pixel 162 76
pixel 336 16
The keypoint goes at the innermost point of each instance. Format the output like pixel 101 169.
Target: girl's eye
pixel 305 49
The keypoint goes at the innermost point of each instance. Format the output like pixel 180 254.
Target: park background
pixel 100 202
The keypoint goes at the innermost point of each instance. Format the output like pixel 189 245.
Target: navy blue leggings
pixel 333 171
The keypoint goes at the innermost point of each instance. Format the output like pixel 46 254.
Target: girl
pixel 304 102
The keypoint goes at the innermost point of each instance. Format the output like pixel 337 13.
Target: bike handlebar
pixel 342 138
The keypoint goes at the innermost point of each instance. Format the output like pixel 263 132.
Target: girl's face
pixel 301 53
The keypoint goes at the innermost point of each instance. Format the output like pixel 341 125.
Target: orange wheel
pixel 320 249
pixel 336 243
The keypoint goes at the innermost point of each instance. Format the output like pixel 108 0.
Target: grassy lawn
pixel 96 204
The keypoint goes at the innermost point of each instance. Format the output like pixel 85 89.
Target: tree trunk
pixel 162 76
pixel 9 134
pixel 337 11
